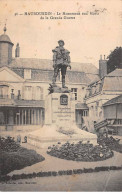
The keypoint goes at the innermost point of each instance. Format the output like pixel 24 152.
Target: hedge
pixel 59 173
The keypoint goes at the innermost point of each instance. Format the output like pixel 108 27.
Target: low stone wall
pixel 45 142
pixel 18 131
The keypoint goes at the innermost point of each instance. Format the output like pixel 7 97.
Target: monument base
pixel 48 135
pixel 59 122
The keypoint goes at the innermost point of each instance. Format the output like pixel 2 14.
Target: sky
pixel 86 37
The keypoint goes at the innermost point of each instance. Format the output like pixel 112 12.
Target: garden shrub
pixel 14 157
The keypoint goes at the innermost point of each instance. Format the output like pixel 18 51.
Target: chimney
pixel 102 67
pixel 17 51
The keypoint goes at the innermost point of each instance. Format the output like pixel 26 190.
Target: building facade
pixel 104 90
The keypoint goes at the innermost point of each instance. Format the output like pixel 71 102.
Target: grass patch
pixel 14 157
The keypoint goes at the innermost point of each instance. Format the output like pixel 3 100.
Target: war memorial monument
pixel 59 107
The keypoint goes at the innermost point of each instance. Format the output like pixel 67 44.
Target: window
pixel 39 93
pixel 28 92
pixel 3 91
pixel 27 73
pixel 85 113
pixel 74 90
pixel 2 118
pixel 93 89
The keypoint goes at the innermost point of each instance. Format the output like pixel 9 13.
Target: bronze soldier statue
pixel 61 60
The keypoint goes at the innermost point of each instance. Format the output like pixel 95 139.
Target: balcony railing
pixel 4 96
pixel 12 96
pixel 18 97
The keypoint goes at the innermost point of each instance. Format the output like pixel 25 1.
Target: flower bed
pixel 80 152
pixel 110 142
pixel 8 144
pixel 14 157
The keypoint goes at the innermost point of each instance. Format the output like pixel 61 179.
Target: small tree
pixel 114 59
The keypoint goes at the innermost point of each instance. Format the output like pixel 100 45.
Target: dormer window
pixel 27 73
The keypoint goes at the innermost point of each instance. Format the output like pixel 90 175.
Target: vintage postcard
pixel 60 95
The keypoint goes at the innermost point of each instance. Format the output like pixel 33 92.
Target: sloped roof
pixel 45 64
pixel 93 78
pixel 42 70
pixel 116 100
pixel 41 75
pixel 47 75
pixel 112 83
pixel 84 67
pixel 71 77
pixel 5 38
pixel 77 77
pixel 115 73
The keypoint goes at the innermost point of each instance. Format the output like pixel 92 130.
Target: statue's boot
pixel 63 82
pixel 54 80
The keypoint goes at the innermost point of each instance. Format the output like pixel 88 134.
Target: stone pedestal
pixel 60 110
pixel 59 122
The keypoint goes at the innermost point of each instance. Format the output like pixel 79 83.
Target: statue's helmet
pixel 61 41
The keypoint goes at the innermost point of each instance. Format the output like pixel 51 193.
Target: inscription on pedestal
pixel 61 108
pixel 64 112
